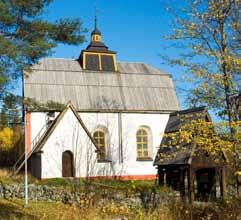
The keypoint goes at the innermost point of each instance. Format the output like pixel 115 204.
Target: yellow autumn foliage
pixel 207 136
pixel 6 138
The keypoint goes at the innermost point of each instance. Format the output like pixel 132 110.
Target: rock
pixel 83 199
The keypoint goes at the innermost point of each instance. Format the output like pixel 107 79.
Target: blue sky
pixel 132 28
pixel 135 29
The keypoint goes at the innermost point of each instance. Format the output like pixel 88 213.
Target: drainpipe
pixel 120 138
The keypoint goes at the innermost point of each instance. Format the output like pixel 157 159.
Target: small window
pixel 100 139
pixel 144 143
pixel 107 63
pixel 50 118
pixel 92 62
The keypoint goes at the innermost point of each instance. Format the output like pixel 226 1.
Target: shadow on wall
pixel 85 163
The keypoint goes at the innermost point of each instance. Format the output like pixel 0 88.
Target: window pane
pixel 142 143
pixel 102 141
pixel 144 146
pixel 139 146
pixel 139 154
pixel 107 63
pixel 99 138
pixel 95 135
pixel 92 62
pixel 144 139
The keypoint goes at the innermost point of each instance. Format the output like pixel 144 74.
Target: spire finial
pixel 95 22
pixel 95 17
pixel 95 34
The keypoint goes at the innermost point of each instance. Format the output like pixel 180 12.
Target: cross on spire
pixel 96 30
pixel 96 17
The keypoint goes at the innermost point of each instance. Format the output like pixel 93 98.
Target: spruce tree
pixel 25 36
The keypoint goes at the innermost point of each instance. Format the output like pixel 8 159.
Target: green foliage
pixel 34 105
pixel 63 183
pixel 130 185
pixel 11 137
pixel 10 114
pixel 26 36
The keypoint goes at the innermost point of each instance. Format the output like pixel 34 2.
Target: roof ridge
pixel 130 62
pixel 157 68
pixel 58 58
pixel 56 122
pixel 97 72
pixel 190 110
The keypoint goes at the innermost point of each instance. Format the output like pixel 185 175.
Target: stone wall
pixel 84 198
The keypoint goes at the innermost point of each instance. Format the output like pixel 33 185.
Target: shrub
pixel 11 144
pixel 6 138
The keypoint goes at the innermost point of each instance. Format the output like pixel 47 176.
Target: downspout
pixel 120 137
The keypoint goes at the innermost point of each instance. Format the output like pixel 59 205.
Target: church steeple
pixel 97 56
pixel 96 39
pixel 96 34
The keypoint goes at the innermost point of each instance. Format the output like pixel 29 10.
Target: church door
pixel 67 164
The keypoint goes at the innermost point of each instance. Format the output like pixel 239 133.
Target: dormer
pixel 97 56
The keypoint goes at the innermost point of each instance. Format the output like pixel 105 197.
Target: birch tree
pixel 207 35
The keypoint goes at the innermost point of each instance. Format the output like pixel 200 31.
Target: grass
pixel 14 209
pixel 172 210
pixel 115 184
pixel 4 173
pixel 6 177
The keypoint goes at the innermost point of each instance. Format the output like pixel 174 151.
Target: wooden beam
pixel 191 184
pixel 224 184
pixel 182 182
pixel 161 177
pixel 220 182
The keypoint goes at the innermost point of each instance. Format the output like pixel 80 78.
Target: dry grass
pixel 15 210
pixel 5 173
pixel 11 210
pixel 6 177
pixel 174 209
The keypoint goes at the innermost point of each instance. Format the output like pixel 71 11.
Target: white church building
pixel 113 121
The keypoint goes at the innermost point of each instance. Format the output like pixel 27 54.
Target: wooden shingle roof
pixel 135 87
pixel 181 153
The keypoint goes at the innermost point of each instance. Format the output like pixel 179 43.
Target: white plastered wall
pixel 38 121
pixel 69 135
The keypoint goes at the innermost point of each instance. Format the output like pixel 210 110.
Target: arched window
pixel 100 139
pixel 143 142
